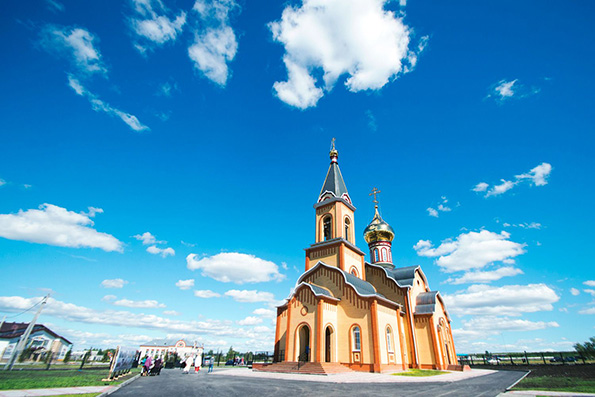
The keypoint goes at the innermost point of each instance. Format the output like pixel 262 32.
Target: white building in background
pixel 42 341
pixel 159 348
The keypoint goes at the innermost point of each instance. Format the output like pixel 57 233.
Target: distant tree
pixel 230 353
pixel 210 353
pixel 67 356
pixel 587 349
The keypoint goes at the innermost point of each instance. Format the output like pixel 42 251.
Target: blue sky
pixel 159 161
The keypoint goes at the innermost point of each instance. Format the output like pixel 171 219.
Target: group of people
pixel 196 362
pixel 150 366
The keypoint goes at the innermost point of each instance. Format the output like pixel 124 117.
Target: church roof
pixel 404 276
pixel 425 303
pixel 318 290
pixel 334 182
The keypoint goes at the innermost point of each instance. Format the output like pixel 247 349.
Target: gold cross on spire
pixel 333 144
pixel 375 191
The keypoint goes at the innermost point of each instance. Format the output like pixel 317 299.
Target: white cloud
pixel 589 283
pixel 590 310
pixel 2 182
pixel 574 291
pixel 161 251
pixel 120 318
pixel 537 177
pixel 357 38
pixel 501 188
pixel 75 44
pixel 54 6
pixel 235 267
pixel 505 90
pixel 262 312
pixel 185 284
pixel 481 187
pixel 250 320
pixel 509 300
pixel 114 283
pixel 473 250
pixel 171 313
pixel 532 225
pixel 207 293
pixel 432 212
pixel 492 324
pixel 251 296
pixel 146 304
pixel 215 42
pixel 154 24
pixel 487 276
pixel 147 238
pixel 55 225
pixel 100 106
pixel 108 298
pixel 590 292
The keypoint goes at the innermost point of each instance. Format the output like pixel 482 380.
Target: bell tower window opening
pixel 347 228
pixel 376 255
pixel 327 228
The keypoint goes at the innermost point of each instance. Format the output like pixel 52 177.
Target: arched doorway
pixel 328 343
pixel 303 348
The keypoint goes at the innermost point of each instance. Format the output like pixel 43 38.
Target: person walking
pixel 211 362
pixel 147 366
pixel 189 362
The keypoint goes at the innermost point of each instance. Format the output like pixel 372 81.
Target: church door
pixel 304 344
pixel 328 344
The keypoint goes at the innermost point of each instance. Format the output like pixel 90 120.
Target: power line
pixel 25 311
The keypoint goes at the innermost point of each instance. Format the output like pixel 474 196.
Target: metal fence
pixel 523 358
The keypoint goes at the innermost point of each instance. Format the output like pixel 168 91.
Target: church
pixel 371 317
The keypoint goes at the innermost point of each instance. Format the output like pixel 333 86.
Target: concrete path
pixel 223 383
pixel 56 391
pixel 535 393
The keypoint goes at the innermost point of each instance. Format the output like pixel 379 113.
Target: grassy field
pixel 555 383
pixel 420 372
pixel 11 380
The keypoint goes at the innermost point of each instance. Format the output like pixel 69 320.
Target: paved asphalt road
pixel 173 383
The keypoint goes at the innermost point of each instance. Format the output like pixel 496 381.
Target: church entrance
pixel 328 340
pixel 303 347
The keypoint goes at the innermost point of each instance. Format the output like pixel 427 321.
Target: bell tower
pixel 334 242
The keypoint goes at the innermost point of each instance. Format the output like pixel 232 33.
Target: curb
pixel 115 388
pixel 515 383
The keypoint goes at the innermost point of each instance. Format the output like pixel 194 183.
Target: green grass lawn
pixel 555 383
pixel 11 380
pixel 420 372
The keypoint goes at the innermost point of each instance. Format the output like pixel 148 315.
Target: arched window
pixel 347 227
pixel 354 272
pixel 389 339
pixel 383 252
pixel 376 255
pixel 327 228
pixel 356 339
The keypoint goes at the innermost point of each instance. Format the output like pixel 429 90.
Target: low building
pixel 42 340
pixel 161 347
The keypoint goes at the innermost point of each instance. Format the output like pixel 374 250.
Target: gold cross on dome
pixel 375 191
pixel 333 144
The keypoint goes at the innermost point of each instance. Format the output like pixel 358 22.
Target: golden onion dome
pixel 378 230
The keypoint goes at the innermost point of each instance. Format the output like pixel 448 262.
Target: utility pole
pixel 23 340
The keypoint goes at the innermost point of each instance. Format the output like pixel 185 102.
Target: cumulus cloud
pixel 506 90
pixel 235 267
pixel 472 250
pixel 109 298
pixel 491 324
pixel 356 38
pixel 161 251
pixel 171 313
pixel 589 283
pixel 114 283
pixel 206 293
pixel 590 292
pixel 100 106
pixel 574 291
pixel 511 300
pixel 486 276
pixel 154 25
pixel 250 320
pixel 55 225
pixel 146 304
pixel 215 42
pixel 250 296
pixel 432 212
pixel 121 318
pixel 537 177
pixel 147 238
pixel 77 45
pixel 442 207
pixel 185 284
pixel 590 310
pixel 262 312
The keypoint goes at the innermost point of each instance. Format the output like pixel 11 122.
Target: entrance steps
pixel 291 367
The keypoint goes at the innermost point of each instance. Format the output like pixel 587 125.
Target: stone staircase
pixel 291 367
